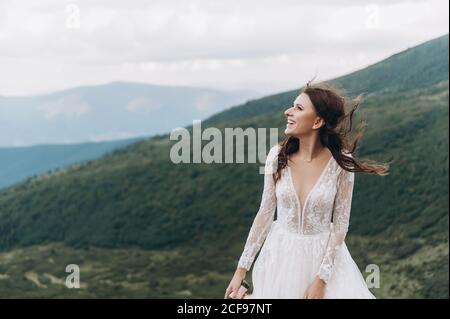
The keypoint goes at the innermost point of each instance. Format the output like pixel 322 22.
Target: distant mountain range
pixel 141 226
pixel 19 163
pixel 110 116
pixel 112 111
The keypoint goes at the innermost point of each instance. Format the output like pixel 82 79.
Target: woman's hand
pixel 235 283
pixel 316 290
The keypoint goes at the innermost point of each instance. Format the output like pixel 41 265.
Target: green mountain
pixel 140 226
pixel 421 66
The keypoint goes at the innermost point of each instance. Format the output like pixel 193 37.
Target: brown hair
pixel 329 103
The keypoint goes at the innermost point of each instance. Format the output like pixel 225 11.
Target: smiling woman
pixel 90 91
pixel 309 181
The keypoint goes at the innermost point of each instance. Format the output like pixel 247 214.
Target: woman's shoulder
pixel 272 159
pixel 273 152
pixel 276 148
pixel 343 171
pixel 338 168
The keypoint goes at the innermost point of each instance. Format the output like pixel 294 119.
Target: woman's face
pixel 302 117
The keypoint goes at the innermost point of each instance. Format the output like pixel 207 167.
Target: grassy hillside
pixel 420 66
pixel 141 226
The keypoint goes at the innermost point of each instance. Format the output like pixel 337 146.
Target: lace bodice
pixel 331 194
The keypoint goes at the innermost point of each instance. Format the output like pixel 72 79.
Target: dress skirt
pixel 288 263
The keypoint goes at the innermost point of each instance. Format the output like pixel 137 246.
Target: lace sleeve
pixel 264 217
pixel 341 217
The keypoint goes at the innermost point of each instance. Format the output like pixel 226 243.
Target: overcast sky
pixel 263 45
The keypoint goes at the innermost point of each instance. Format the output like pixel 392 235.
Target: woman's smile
pixel 290 122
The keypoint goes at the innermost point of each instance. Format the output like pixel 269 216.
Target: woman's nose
pixel 287 111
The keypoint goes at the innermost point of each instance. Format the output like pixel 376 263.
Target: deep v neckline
pixel 303 205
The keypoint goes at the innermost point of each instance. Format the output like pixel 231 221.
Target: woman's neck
pixel 309 150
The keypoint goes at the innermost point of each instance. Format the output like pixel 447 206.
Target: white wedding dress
pixel 303 243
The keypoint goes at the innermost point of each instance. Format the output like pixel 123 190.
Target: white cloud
pixel 262 45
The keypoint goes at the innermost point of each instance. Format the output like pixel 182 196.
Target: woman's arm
pixel 341 218
pixel 264 216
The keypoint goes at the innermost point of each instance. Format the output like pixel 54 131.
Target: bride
pixel 309 181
